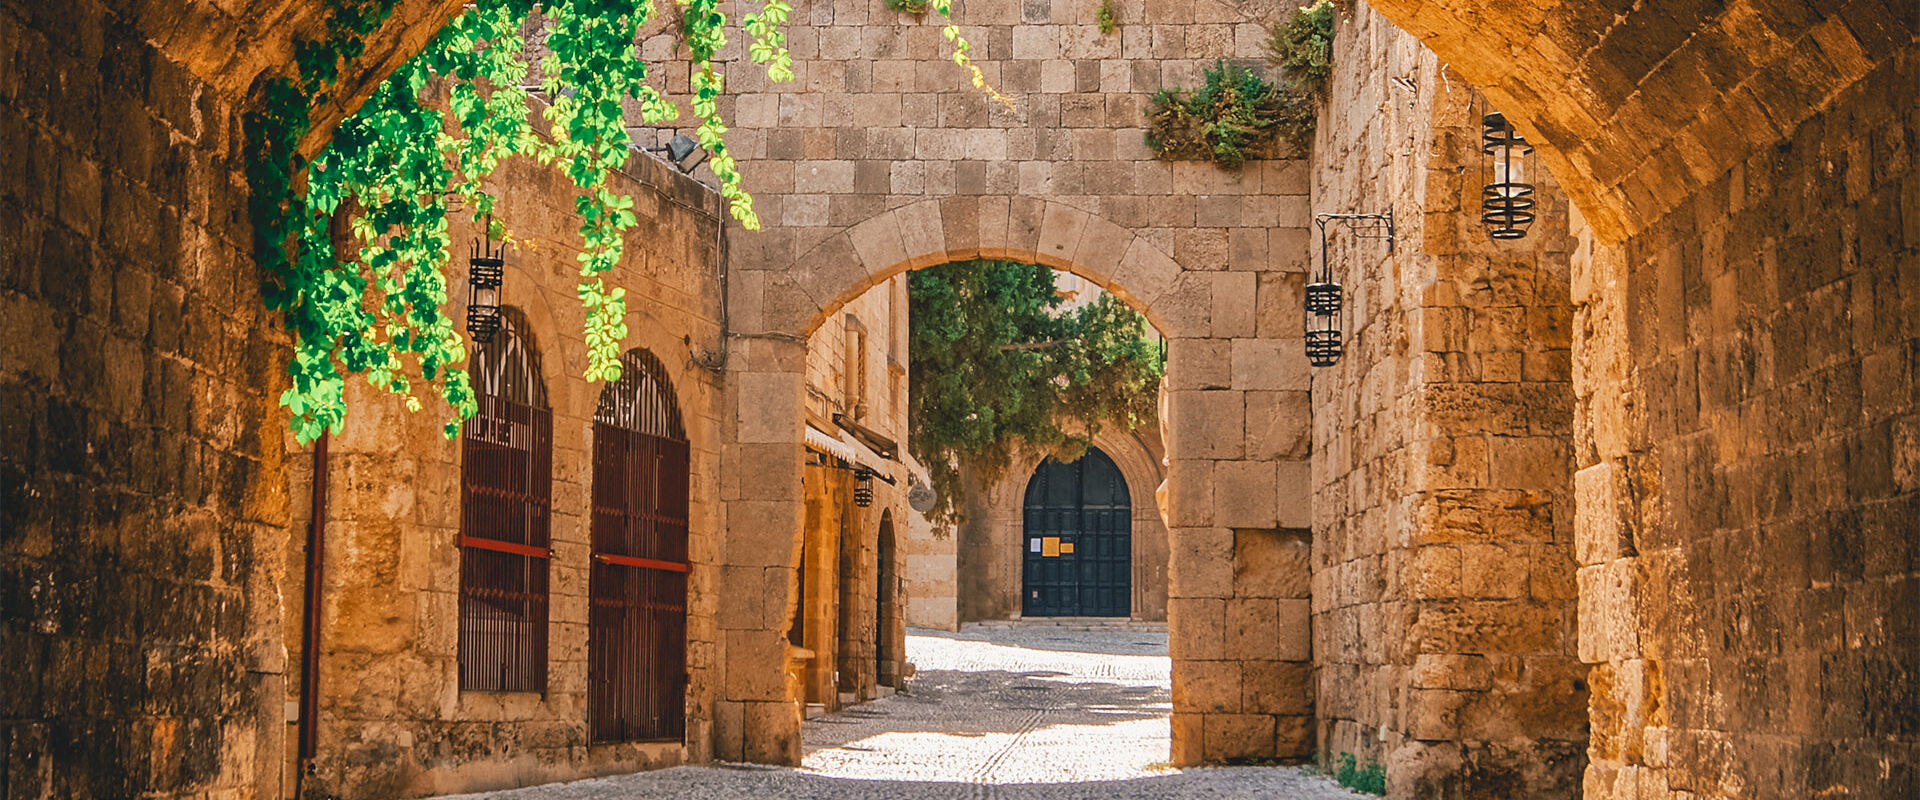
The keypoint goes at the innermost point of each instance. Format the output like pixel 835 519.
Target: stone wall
pixel 141 503
pixel 1443 570
pixel 991 548
pixel 856 371
pixel 881 157
pixel 393 720
pixel 1749 479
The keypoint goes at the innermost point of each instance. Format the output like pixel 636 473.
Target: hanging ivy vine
pixel 391 171
pixel 433 132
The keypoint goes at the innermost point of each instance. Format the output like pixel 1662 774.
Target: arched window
pixel 637 630
pixel 506 488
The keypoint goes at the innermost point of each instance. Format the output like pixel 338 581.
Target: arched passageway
pixel 1743 178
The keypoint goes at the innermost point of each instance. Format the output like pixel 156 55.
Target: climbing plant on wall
pixel 1236 114
pixel 433 132
pixel 997 369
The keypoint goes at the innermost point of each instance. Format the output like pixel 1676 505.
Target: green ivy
pixel 389 173
pixel 909 6
pixel 1107 18
pixel 996 370
pixel 961 50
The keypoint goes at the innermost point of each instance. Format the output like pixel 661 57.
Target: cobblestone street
pixel 1025 712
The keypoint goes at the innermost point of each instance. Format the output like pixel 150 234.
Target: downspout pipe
pixel 310 616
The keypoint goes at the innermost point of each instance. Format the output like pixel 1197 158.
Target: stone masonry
pixel 393 719
pixel 881 158
pixel 1443 566
pixel 1748 447
pixel 1743 351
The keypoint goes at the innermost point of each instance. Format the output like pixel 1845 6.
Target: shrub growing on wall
pixel 1238 115
pixel 996 370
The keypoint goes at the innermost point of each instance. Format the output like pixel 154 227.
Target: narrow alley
pixel 1011 710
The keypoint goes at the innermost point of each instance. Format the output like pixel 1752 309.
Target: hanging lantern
pixel 1506 163
pixel 1323 320
pixel 486 269
pixel 863 487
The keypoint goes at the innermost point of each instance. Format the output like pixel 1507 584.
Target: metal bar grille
pixel 637 630
pixel 505 511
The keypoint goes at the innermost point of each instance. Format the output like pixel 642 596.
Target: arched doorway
pixel 884 601
pixel 1078 540
pixel 637 627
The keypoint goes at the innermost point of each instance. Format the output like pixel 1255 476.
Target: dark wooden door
pixel 1078 540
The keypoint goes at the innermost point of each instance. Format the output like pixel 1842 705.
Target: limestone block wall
pixel 393 721
pixel 930 574
pixel 1443 586
pixel 881 157
pixel 991 553
pixel 1749 479
pixel 141 509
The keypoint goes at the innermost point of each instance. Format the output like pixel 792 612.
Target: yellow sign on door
pixel 1050 547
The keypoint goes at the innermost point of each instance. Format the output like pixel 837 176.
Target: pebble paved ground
pixel 1023 712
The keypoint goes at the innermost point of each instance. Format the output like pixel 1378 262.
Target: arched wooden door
pixel 1078 540
pixel 637 627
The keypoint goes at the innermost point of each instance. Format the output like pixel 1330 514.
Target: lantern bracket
pixel 1365 226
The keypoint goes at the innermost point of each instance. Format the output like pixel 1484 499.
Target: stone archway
pixel 1221 478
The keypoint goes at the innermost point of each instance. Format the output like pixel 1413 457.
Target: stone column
pixel 756 718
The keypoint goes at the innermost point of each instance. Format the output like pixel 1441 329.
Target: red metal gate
pixel 506 497
pixel 637 629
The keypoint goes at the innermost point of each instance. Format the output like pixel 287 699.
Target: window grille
pixel 637 630
pixel 506 482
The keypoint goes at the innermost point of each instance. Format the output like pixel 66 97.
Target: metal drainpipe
pixel 310 638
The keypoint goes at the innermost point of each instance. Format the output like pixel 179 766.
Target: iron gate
pixel 506 480
pixel 1078 540
pixel 637 628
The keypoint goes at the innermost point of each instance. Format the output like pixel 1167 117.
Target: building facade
pixel 847 640
pixel 1646 535
pixel 534 599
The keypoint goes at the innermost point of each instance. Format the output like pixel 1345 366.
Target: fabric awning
pixel 850 450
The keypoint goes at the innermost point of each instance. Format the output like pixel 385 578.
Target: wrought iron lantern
pixel 1506 163
pixel 1324 297
pixel 485 272
pixel 863 487
pixel 1324 346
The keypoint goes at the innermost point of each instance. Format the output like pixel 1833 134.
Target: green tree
pixel 998 370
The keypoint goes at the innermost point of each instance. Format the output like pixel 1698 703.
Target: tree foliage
pixel 997 370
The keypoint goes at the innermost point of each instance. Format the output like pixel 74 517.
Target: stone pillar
pixel 1443 584
pixel 756 718
pixel 1237 509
